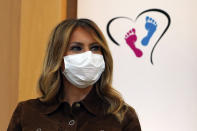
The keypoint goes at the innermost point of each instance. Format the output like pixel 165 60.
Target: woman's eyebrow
pixel 76 43
pixel 94 43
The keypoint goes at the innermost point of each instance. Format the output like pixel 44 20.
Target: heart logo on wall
pixel 150 26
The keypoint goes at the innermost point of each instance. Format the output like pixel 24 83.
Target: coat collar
pixel 92 102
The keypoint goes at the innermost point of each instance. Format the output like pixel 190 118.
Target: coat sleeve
pixel 131 121
pixel 15 122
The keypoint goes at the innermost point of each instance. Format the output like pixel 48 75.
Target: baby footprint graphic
pixel 151 26
pixel 131 38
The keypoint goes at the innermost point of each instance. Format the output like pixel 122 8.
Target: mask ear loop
pixel 64 66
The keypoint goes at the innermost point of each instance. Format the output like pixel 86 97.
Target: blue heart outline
pixel 149 10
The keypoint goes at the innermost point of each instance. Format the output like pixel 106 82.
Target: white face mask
pixel 83 70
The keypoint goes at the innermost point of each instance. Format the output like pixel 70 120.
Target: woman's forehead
pixel 82 35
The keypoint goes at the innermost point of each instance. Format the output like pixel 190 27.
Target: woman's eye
pixel 95 48
pixel 76 48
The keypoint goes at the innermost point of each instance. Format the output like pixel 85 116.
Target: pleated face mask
pixel 84 69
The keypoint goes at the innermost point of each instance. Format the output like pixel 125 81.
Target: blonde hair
pixel 50 79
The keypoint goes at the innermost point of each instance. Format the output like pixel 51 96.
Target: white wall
pixel 164 94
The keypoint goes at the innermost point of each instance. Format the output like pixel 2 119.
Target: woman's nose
pixel 86 49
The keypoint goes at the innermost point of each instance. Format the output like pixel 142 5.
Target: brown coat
pixel 85 115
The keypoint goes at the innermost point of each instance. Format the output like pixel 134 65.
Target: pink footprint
pixel 131 38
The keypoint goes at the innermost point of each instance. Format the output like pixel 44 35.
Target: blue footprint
pixel 151 26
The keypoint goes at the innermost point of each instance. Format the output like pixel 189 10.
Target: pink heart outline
pixel 149 10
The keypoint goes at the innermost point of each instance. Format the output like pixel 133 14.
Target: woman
pixel 76 86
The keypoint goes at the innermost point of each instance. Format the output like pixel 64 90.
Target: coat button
pixel 38 129
pixel 71 122
pixel 77 105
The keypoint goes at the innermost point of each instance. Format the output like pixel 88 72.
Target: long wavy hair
pixel 50 80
